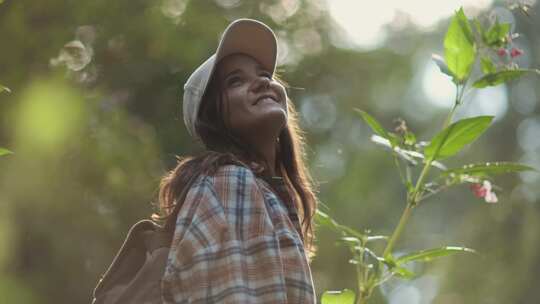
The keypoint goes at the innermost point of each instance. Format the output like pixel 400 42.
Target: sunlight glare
pixel 364 21
pixel 437 87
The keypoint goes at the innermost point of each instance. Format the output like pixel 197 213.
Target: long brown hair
pixel 223 148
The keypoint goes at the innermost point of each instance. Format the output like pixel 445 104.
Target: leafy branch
pixel 463 48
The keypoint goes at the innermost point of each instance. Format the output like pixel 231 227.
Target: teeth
pixel 266 99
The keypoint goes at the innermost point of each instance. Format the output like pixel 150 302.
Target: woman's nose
pixel 261 83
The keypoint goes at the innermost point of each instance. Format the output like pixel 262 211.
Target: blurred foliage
pixel 94 119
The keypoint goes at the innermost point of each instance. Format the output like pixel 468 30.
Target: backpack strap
pixel 156 239
pixel 134 239
pixel 143 237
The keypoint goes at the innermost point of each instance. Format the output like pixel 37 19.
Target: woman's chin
pixel 274 119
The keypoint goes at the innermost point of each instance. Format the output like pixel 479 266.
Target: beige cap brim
pixel 252 38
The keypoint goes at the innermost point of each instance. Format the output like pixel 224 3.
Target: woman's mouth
pixel 266 98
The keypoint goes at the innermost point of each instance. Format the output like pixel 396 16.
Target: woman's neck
pixel 263 160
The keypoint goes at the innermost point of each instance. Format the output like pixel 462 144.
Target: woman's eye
pixel 267 75
pixel 234 80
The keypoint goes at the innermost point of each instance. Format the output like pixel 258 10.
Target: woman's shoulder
pixel 231 188
pixel 229 184
pixel 228 172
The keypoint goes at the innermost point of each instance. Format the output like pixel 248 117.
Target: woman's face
pixel 254 104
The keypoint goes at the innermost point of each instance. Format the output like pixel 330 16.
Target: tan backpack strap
pixel 132 240
pixel 156 239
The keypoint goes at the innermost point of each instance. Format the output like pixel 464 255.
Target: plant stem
pixel 413 196
pixel 419 182
pixel 457 102
pixel 449 117
pixel 411 202
pixel 408 173
pixel 360 276
pixel 396 162
pixel 397 231
pixel 360 298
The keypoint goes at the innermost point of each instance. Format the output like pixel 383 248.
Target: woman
pixel 244 232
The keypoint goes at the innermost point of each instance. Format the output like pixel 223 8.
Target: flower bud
pixel 478 190
pixel 515 52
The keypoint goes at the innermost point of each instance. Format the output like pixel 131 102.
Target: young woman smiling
pixel 244 232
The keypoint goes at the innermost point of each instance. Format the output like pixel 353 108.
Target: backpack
pixel 135 273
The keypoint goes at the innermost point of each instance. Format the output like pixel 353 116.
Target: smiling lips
pixel 265 97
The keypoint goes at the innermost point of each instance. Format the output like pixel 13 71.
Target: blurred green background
pixel 94 119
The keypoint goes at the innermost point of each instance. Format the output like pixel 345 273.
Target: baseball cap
pixel 246 36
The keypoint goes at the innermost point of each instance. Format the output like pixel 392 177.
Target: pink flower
pixel 502 52
pixel 484 191
pixel 491 197
pixel 478 190
pixel 515 52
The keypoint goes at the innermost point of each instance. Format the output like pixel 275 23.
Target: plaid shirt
pixel 237 240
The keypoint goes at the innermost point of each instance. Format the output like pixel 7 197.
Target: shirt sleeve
pixel 224 248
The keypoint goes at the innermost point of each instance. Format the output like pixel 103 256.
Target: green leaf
pixel 410 138
pixel 376 238
pixel 373 123
pixel 325 220
pixel 410 187
pixel 403 272
pixel 394 139
pixel 493 79
pixel 350 231
pixel 393 266
pixel 488 66
pixel 5 152
pixel 441 64
pixel 345 296
pixel 459 47
pixel 431 254
pixel 496 34
pixel 452 139
pixel 376 127
pixel 350 240
pixel 3 88
pixel 407 155
pixel 465 25
pixel 486 169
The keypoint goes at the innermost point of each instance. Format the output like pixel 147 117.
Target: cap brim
pixel 250 37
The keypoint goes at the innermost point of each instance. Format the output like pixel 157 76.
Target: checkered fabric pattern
pixel 237 240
